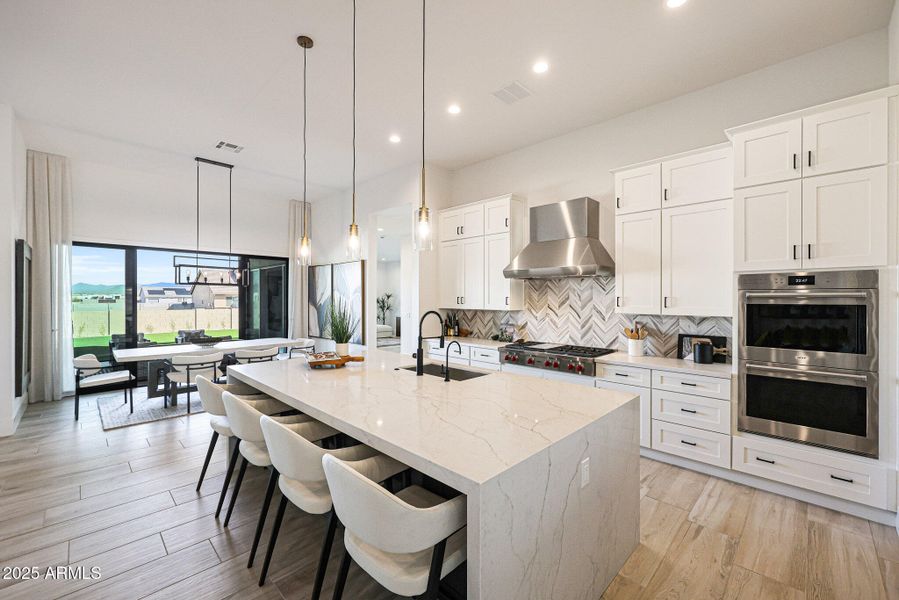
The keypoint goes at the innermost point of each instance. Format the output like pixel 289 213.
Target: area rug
pixel 386 342
pixel 114 414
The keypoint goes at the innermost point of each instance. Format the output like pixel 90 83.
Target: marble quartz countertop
pixel 668 364
pixel 463 433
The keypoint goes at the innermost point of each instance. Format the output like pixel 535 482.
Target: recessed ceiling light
pixel 453 109
pixel 541 66
pixel 395 139
pixel 675 3
pixel 380 229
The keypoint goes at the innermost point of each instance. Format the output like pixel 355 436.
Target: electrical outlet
pixel 585 472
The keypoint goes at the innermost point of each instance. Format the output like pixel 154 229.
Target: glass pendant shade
pixel 305 251
pixel 424 234
pixel 353 243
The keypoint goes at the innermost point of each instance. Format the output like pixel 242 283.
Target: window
pixel 98 298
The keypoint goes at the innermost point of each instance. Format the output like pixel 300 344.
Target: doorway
pixel 394 278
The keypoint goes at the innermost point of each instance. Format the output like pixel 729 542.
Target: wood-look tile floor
pixel 124 501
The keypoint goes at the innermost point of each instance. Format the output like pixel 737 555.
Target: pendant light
pixel 305 251
pixel 423 240
pixel 354 244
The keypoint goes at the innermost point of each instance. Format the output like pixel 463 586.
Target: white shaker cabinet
pixel 768 154
pixel 701 177
pixel 462 273
pixel 451 285
pixel 845 219
pixel 638 189
pixel 460 223
pixel 849 137
pixel 768 227
pixel 500 293
pixel 497 215
pixel 697 259
pixel 638 263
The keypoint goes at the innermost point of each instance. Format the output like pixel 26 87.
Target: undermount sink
pixel 456 374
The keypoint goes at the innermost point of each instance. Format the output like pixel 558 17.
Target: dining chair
pixel 185 368
pixel 92 375
pixel 252 356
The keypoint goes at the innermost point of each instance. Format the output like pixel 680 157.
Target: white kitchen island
pixel 540 524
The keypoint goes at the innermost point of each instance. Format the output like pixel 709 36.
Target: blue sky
pixel 106 266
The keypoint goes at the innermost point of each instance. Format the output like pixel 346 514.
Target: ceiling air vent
pixel 228 146
pixel 512 93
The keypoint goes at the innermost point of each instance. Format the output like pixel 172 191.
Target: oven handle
pixel 751 367
pixel 800 295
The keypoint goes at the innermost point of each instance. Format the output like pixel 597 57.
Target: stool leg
pixel 272 481
pixel 215 437
pixel 342 575
pixel 434 574
pixel 240 474
pixel 131 398
pixel 282 506
pixel 326 554
pixel 231 464
pixel 77 403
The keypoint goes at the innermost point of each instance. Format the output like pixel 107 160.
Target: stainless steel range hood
pixel 564 243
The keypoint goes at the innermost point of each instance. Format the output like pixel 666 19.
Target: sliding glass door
pixel 264 298
pixel 98 298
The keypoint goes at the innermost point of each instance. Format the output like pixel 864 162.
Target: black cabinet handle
pixel 507 221
pixel 809 250
pixel 809 158
pixel 688 383
pixel 507 301
pixel 764 460
pixel 457 299
pixel 687 410
pixel 665 302
pixel 843 479
pixel 794 160
pixel 688 443
pixel 618 301
pixel 665 194
pixel 622 375
pixel 617 202
pixel 462 230
pixel 463 299
pixel 794 251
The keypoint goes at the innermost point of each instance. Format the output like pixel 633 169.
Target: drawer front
pixel 843 478
pixel 645 406
pixel 689 442
pixel 685 383
pixel 487 366
pixel 455 351
pixel 693 411
pixel 626 375
pixel 485 355
pixel 441 358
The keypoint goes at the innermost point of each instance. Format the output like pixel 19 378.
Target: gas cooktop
pixel 577 360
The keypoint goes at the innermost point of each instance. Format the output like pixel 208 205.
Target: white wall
pixel 894 44
pixel 578 163
pixel 397 188
pixel 126 194
pixel 12 205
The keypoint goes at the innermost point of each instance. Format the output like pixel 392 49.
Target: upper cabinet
pixel 696 178
pixel 812 189
pixel 768 154
pixel 638 189
pixel 463 222
pixel 477 242
pixel 638 263
pixel 850 137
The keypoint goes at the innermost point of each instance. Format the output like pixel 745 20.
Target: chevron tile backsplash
pixel 582 312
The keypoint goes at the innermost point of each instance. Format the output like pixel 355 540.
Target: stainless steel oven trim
pixel 866 446
pixel 838 360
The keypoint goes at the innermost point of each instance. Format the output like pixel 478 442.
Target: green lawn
pixel 160 338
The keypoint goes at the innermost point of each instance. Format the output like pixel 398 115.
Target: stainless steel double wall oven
pixel 809 359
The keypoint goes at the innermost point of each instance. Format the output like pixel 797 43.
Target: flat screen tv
pixel 23 316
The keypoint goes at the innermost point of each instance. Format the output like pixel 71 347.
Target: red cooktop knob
pixel 530 361
pixel 514 359
pixel 580 368
pixel 508 357
pixel 570 367
pixel 555 364
pixel 547 364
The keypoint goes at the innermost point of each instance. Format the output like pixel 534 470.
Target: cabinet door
pixel 638 189
pixel 698 178
pixel 844 219
pixel 450 224
pixel 496 258
pixel 450 260
pixel 845 138
pixel 645 407
pixel 638 251
pixel 697 259
pixel 472 273
pixel 496 216
pixel 472 221
pixel 768 154
pixel 768 227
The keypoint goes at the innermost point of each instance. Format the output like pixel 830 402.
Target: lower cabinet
pixel 645 395
pixel 690 442
pixel 465 355
pixel 692 411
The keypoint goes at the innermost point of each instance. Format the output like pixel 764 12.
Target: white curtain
pixel 296 303
pixel 49 216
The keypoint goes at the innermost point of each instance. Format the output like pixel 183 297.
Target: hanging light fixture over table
pixel 424 240
pixel 354 244
pixel 305 252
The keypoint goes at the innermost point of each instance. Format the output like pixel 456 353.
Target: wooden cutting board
pixel 332 360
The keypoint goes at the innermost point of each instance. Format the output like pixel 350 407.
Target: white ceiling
pixel 179 75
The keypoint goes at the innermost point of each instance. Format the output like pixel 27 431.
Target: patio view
pixel 163 306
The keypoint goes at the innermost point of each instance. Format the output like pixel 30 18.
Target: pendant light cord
pixel 354 113
pixel 304 142
pixel 423 13
pixel 197 254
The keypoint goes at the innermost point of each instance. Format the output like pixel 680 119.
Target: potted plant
pixel 341 326
pixel 384 306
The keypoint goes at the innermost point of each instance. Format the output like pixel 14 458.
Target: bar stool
pixel 211 399
pixel 244 420
pixel 302 482
pixel 406 541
